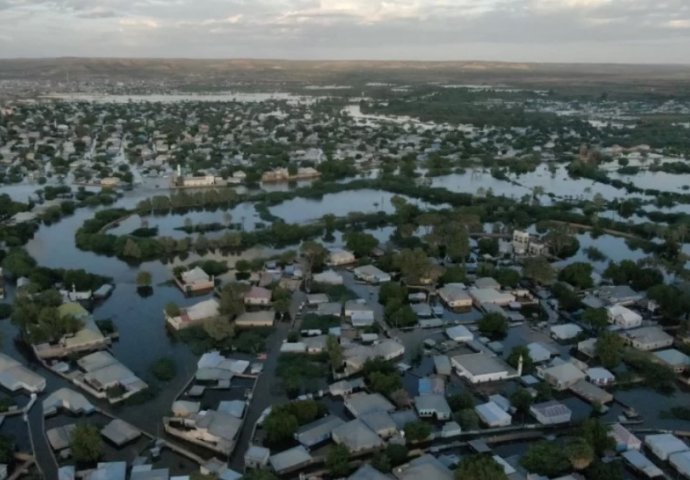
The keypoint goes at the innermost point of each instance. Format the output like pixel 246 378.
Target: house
pixel 356 436
pixel 600 376
pixel 328 277
pixel 538 352
pixel 334 309
pixel 623 317
pixel 360 403
pixel 623 438
pixel 565 331
pixel 103 373
pixel 425 467
pixel 459 334
pixel 371 274
pixel 551 412
pixel 15 376
pixel 195 280
pixel 119 432
pixel 345 387
pixel 642 464
pixel 455 296
pixel 484 283
pixel 663 445
pixel 314 299
pixel 380 422
pixel 211 429
pixel 442 365
pixel 590 392
pixel 318 431
pixel 360 314
pixel 290 460
pixel 561 376
pixel 481 368
pixel 450 429
pixel 256 457
pixel 194 315
pixel 261 318
pixel 520 242
pixel 432 406
pixel 674 359
pixel 492 415
pixel 647 338
pixel 486 296
pixel 64 398
pixel 367 472
pixel 89 337
pixel 338 256
pixel 258 296
pixel 618 295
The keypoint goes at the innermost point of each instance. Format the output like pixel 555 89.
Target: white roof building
pixel 647 338
pixel 486 296
pixel 562 376
pixel 538 352
pixel 480 368
pixel 623 438
pixel 15 376
pixel 565 331
pixel 339 256
pixel 356 436
pixel 459 333
pixel 551 412
pixel 493 415
pixel 623 317
pixel 455 295
pixel 371 274
pixel 664 445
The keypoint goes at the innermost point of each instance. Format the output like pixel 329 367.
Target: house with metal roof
pixel 623 317
pixel 371 274
pixel 318 431
pixel 433 405
pixel 481 367
pixel 492 415
pixel 194 315
pixel 359 313
pixel 64 398
pixel 290 460
pixel 195 280
pixel 551 412
pixel 256 457
pixel 647 338
pixel 674 359
pixel 356 436
pixel 367 472
pixel 459 333
pixel 424 467
pixel 261 318
pixel 380 422
pixel 624 439
pixel 360 403
pixel 663 445
pixel 562 375
pixel 565 331
pixel 455 296
pixel 642 464
pixel 15 376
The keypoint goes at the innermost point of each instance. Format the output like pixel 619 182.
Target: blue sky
pixel 623 31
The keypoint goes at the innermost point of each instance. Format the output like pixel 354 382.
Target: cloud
pixel 535 30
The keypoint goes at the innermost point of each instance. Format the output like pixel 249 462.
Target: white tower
pixel 179 170
pixel 520 366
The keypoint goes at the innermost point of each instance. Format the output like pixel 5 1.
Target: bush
pixel 164 369
pixel 5 310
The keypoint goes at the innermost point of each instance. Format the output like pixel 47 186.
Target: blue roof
pixel 424 386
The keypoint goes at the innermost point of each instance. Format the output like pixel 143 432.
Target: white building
pixel 338 256
pixel 371 274
pixel 455 296
pixel 492 415
pixel 459 333
pixel 551 412
pixel 647 338
pixel 481 368
pixel 623 317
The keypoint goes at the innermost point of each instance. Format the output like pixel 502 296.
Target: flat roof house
pixel 486 296
pixel 318 431
pixel 103 372
pixel 371 274
pixel 562 376
pixel 663 445
pixel 195 280
pixel 360 403
pixel 15 376
pixel 339 256
pixel 290 460
pixel 481 368
pixel 360 314
pixel 565 331
pixel 619 294
pixel 432 406
pixel 261 318
pixel 647 338
pixel 623 317
pixel 194 315
pixel 459 333
pixel 258 296
pixel 455 296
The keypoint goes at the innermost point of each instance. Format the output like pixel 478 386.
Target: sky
pixel 608 31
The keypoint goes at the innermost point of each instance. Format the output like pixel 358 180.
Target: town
pixel 318 283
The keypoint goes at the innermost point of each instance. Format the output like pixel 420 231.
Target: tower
pixel 519 370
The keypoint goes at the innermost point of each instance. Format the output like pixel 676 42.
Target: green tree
pixel 545 458
pixel 259 475
pixel 596 318
pixel 578 274
pixel 461 401
pixel 164 369
pixel 86 443
pixel 280 426
pixel 514 359
pixel 580 453
pixel 596 434
pixel 604 471
pixel 468 419
pixel 521 399
pixel 219 328
pixel 417 431
pixel 172 309
pixel 232 299
pixel 338 460
pixel 479 467
pixel 360 243
pixel 143 278
pixel 609 349
pixel 493 325
pixel 539 270
pixel 335 352
pixel 315 255
pixel 488 246
pixel 507 277
pixel 131 250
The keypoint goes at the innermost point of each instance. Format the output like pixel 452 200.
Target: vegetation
pixel 338 460
pixel 546 458
pixel 609 349
pixel 86 443
pixel 164 369
pixel 417 431
pixel 493 325
pixel 382 376
pixel 578 275
pixel 281 424
pixel 479 467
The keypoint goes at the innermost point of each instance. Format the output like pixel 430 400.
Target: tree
pixel 282 299
pixel 143 279
pixel 596 318
pixel 578 274
pixel 479 467
pixel 172 309
pixel 415 266
pixel 488 246
pixel 461 401
pixel 417 431
pixel 609 349
pixel 259 475
pixel 507 277
pixel 545 458
pixel 131 250
pixel 360 243
pixel 219 328
pixel 596 434
pixel 468 419
pixel 315 255
pixel 232 299
pixel 335 352
pixel 338 460
pixel 604 471
pixel 18 263
pixel 514 359
pixel 164 369
pixel 493 325
pixel 86 443
pixel 579 452
pixel 539 270
pixel 521 399
pixel 392 291
pixel 562 243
